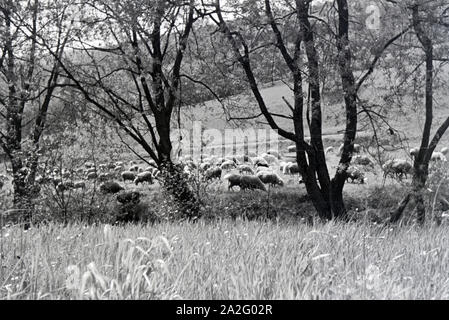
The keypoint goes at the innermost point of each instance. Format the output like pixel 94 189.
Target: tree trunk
pixel 416 195
pixel 176 185
pixel 174 179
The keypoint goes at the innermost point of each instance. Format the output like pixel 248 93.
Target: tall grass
pixel 225 260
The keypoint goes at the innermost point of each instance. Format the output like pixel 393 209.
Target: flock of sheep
pixel 248 172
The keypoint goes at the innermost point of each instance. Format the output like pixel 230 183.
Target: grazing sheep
pixel 233 180
pixel 142 177
pixel 244 168
pixel 438 156
pixel 328 150
pixel 270 159
pixel 291 148
pixel 444 150
pixel 252 183
pixel 243 158
pixel 396 168
pixel 232 158
pixel 274 153
pixel 362 160
pixel 270 178
pixel 213 173
pixel 134 168
pixel 244 182
pixel 263 169
pixel 260 162
pixel 228 165
pixel 128 175
pixel 355 174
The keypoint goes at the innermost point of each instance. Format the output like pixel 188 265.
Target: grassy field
pixel 231 259
pixel 235 252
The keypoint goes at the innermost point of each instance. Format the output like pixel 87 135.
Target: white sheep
pixel 134 168
pixel 274 153
pixel 263 169
pixel 438 156
pixel 142 177
pixel 244 168
pixel 228 165
pixel 270 159
pixel 260 162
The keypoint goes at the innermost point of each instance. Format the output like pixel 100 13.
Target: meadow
pixel 228 259
pixel 248 245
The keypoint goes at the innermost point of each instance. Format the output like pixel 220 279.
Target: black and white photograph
pixel 233 152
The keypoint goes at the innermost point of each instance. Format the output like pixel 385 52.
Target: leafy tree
pixel 28 79
pixel 128 65
pixel 430 25
pixel 326 193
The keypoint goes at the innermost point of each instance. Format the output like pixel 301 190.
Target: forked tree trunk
pixel 421 163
